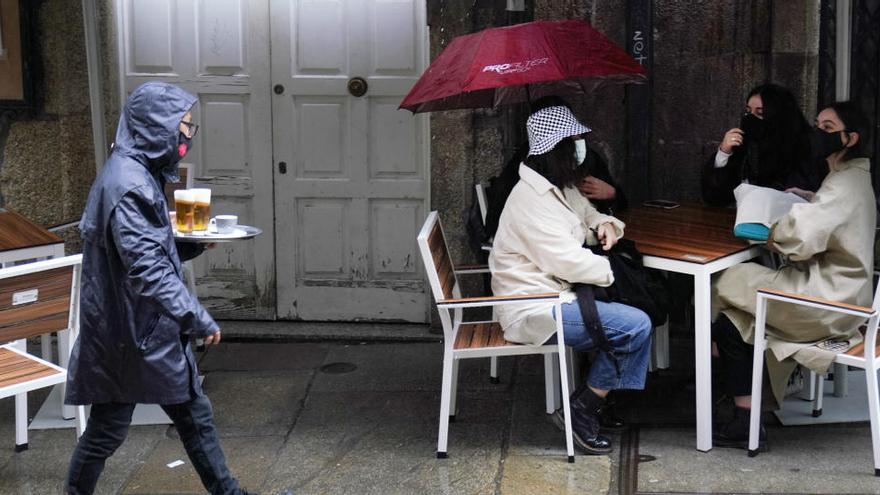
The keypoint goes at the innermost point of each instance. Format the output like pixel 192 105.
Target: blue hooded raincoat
pixel 136 315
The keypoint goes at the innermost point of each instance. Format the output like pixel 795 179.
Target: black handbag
pixel 634 285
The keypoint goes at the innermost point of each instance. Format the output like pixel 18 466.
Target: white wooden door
pixel 351 172
pixel 219 51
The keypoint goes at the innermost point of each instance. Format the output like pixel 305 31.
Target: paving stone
pixel 368 442
pixel 248 458
pixel 804 460
pixel 403 367
pixel 234 356
pixel 531 474
pixel 252 403
pixel 42 469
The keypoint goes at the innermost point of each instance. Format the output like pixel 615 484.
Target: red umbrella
pixel 517 63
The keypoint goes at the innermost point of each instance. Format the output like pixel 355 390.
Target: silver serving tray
pixel 241 232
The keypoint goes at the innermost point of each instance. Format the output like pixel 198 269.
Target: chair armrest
pixel 471 269
pixel 819 302
pixel 497 300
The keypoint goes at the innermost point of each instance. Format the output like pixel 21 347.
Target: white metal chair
pixel 36 298
pixel 862 356
pixel 466 340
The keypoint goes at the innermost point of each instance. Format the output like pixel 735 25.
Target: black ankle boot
pixel 585 406
pixel 608 420
pixel 735 433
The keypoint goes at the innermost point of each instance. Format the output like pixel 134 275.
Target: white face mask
pixel 580 150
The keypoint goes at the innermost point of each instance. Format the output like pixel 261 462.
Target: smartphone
pixel 661 203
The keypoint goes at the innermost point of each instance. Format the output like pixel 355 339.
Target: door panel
pixel 356 187
pixel 217 50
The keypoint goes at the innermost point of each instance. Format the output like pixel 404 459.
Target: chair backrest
pixel 481 200
pixel 39 297
pixel 435 254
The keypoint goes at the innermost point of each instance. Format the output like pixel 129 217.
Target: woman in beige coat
pixel 828 245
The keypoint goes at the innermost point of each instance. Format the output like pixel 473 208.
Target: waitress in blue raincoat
pixel 137 317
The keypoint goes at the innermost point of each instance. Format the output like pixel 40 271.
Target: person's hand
pixel 214 338
pixel 808 195
pixel 732 138
pixel 607 236
pixel 594 188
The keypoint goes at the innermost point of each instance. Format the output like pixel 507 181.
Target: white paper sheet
pixel 764 205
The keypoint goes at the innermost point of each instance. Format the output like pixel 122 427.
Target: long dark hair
pixel 854 120
pixel 786 144
pixel 557 165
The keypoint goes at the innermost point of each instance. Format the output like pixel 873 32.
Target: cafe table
pixel 698 241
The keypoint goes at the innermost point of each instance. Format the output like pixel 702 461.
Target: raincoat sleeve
pixel 137 232
pixel 805 231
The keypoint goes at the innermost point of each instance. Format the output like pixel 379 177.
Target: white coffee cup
pixel 224 224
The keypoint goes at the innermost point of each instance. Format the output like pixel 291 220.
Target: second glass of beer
pixel 184 206
pixel 202 210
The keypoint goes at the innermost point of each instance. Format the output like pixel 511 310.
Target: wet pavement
pixel 337 418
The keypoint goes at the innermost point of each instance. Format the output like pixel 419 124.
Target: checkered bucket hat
pixel 548 126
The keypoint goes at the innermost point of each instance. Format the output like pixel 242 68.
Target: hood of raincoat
pixel 148 129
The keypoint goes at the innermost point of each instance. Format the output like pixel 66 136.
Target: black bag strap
pixel 587 303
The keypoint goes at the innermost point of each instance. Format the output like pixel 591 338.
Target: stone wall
pixel 707 54
pixel 46 156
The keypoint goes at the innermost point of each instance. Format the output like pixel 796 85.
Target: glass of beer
pixel 202 211
pixel 184 207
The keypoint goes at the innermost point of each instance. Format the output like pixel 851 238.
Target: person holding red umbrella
pixel 539 248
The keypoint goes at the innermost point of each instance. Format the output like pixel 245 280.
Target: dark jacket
pixel 136 315
pixel 760 167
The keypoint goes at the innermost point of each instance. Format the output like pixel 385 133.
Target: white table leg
pixel 703 358
pixel 67 412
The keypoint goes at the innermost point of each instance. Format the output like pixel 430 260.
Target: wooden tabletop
pixel 17 232
pixel 691 232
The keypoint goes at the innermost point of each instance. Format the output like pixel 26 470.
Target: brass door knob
pixel 357 86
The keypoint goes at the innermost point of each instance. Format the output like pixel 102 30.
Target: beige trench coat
pixel 829 246
pixel 538 248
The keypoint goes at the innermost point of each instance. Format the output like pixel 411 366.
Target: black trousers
pixel 736 357
pixel 108 426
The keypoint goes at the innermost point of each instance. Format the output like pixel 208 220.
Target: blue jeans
pixel 108 427
pixel 629 334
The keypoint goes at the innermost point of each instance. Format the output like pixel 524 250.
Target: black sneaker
pixel 735 433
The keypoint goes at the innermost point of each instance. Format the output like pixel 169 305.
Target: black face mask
pixel 823 144
pixel 754 128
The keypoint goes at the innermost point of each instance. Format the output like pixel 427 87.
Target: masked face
pixel 824 143
pixel 754 127
pixel 580 151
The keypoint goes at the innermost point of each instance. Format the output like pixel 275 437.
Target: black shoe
pixel 597 445
pixel 585 406
pixel 735 433
pixel 610 421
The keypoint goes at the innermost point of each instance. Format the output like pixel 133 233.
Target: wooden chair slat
pixel 18 369
pixel 50 311
pixel 465 335
pixel 481 336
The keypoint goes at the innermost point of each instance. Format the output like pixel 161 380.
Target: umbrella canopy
pixel 514 64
